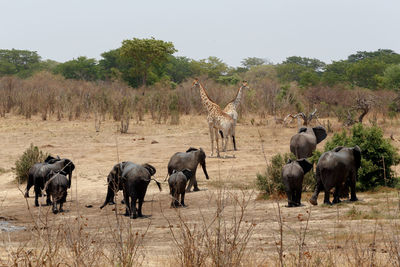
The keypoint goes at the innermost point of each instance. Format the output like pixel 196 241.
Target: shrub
pixel 378 155
pixel 31 156
pixel 271 182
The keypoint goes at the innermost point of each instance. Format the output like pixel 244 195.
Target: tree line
pixel 144 62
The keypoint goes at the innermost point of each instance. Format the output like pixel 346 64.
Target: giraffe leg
pixel 216 140
pixel 212 140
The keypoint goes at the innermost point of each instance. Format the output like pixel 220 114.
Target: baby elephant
pixel 56 187
pixel 292 175
pixel 177 184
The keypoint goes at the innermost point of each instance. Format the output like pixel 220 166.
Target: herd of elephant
pixel 51 176
pixel 336 168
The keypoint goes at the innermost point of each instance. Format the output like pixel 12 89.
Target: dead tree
pixel 363 104
pixel 301 116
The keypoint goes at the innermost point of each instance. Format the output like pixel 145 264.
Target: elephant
pixel 32 170
pixel 133 179
pixel 292 175
pixel 38 174
pixel 56 187
pixel 189 160
pixel 177 184
pixel 305 141
pixel 337 168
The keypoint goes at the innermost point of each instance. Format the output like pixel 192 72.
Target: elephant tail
pixel 158 184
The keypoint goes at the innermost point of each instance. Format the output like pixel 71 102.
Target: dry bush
pixel 220 238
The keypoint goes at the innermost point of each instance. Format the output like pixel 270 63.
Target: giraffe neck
pixel 205 99
pixel 236 102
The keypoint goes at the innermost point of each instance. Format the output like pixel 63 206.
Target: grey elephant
pixel 189 160
pixel 305 141
pixel 292 176
pixel 177 184
pixel 34 168
pixel 133 179
pixel 337 168
pixel 56 187
pixel 38 175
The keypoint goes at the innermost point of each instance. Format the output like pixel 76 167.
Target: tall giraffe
pixel 231 110
pixel 216 118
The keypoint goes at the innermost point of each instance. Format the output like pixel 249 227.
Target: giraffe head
pixel 245 84
pixel 195 83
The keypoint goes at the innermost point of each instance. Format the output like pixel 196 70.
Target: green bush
pixel 31 156
pixel 378 155
pixel 271 182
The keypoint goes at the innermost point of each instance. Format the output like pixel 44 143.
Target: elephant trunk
pixel 69 178
pixel 203 166
pixel 109 197
pixel 158 184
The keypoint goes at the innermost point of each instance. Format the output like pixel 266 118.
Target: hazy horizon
pixel 229 30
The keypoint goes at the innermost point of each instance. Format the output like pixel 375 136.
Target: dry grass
pixel 224 224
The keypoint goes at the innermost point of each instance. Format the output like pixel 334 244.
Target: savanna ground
pixel 228 205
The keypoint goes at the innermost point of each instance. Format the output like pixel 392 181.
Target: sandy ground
pixel 94 154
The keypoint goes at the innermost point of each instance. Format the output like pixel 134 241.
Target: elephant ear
pixel 357 156
pixel 320 133
pixel 302 130
pixel 289 161
pixel 191 149
pixel 150 168
pixel 305 164
pixel 188 173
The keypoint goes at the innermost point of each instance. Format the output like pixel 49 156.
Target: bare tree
pixel 301 116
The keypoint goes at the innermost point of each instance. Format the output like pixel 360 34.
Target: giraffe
pixel 231 110
pixel 216 118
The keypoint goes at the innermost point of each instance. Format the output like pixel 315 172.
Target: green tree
pixel 335 72
pixel 82 68
pixel 146 54
pixel 365 73
pixel 22 63
pixel 391 77
pixel 250 62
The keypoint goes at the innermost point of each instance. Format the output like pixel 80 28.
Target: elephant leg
pixel 141 200
pixel 55 210
pixel 62 201
pixel 48 201
pixel 29 184
pixel 37 194
pixel 289 195
pixel 298 197
pixel 134 199
pixel 353 189
pixel 196 187
pixel 127 207
pixel 326 197
pixel 314 197
pixel 191 182
pixel 336 193
pixel 183 199
pixel 176 199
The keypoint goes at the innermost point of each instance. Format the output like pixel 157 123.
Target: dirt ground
pixel 95 153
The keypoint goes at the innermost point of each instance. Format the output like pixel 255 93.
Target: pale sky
pixel 228 29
